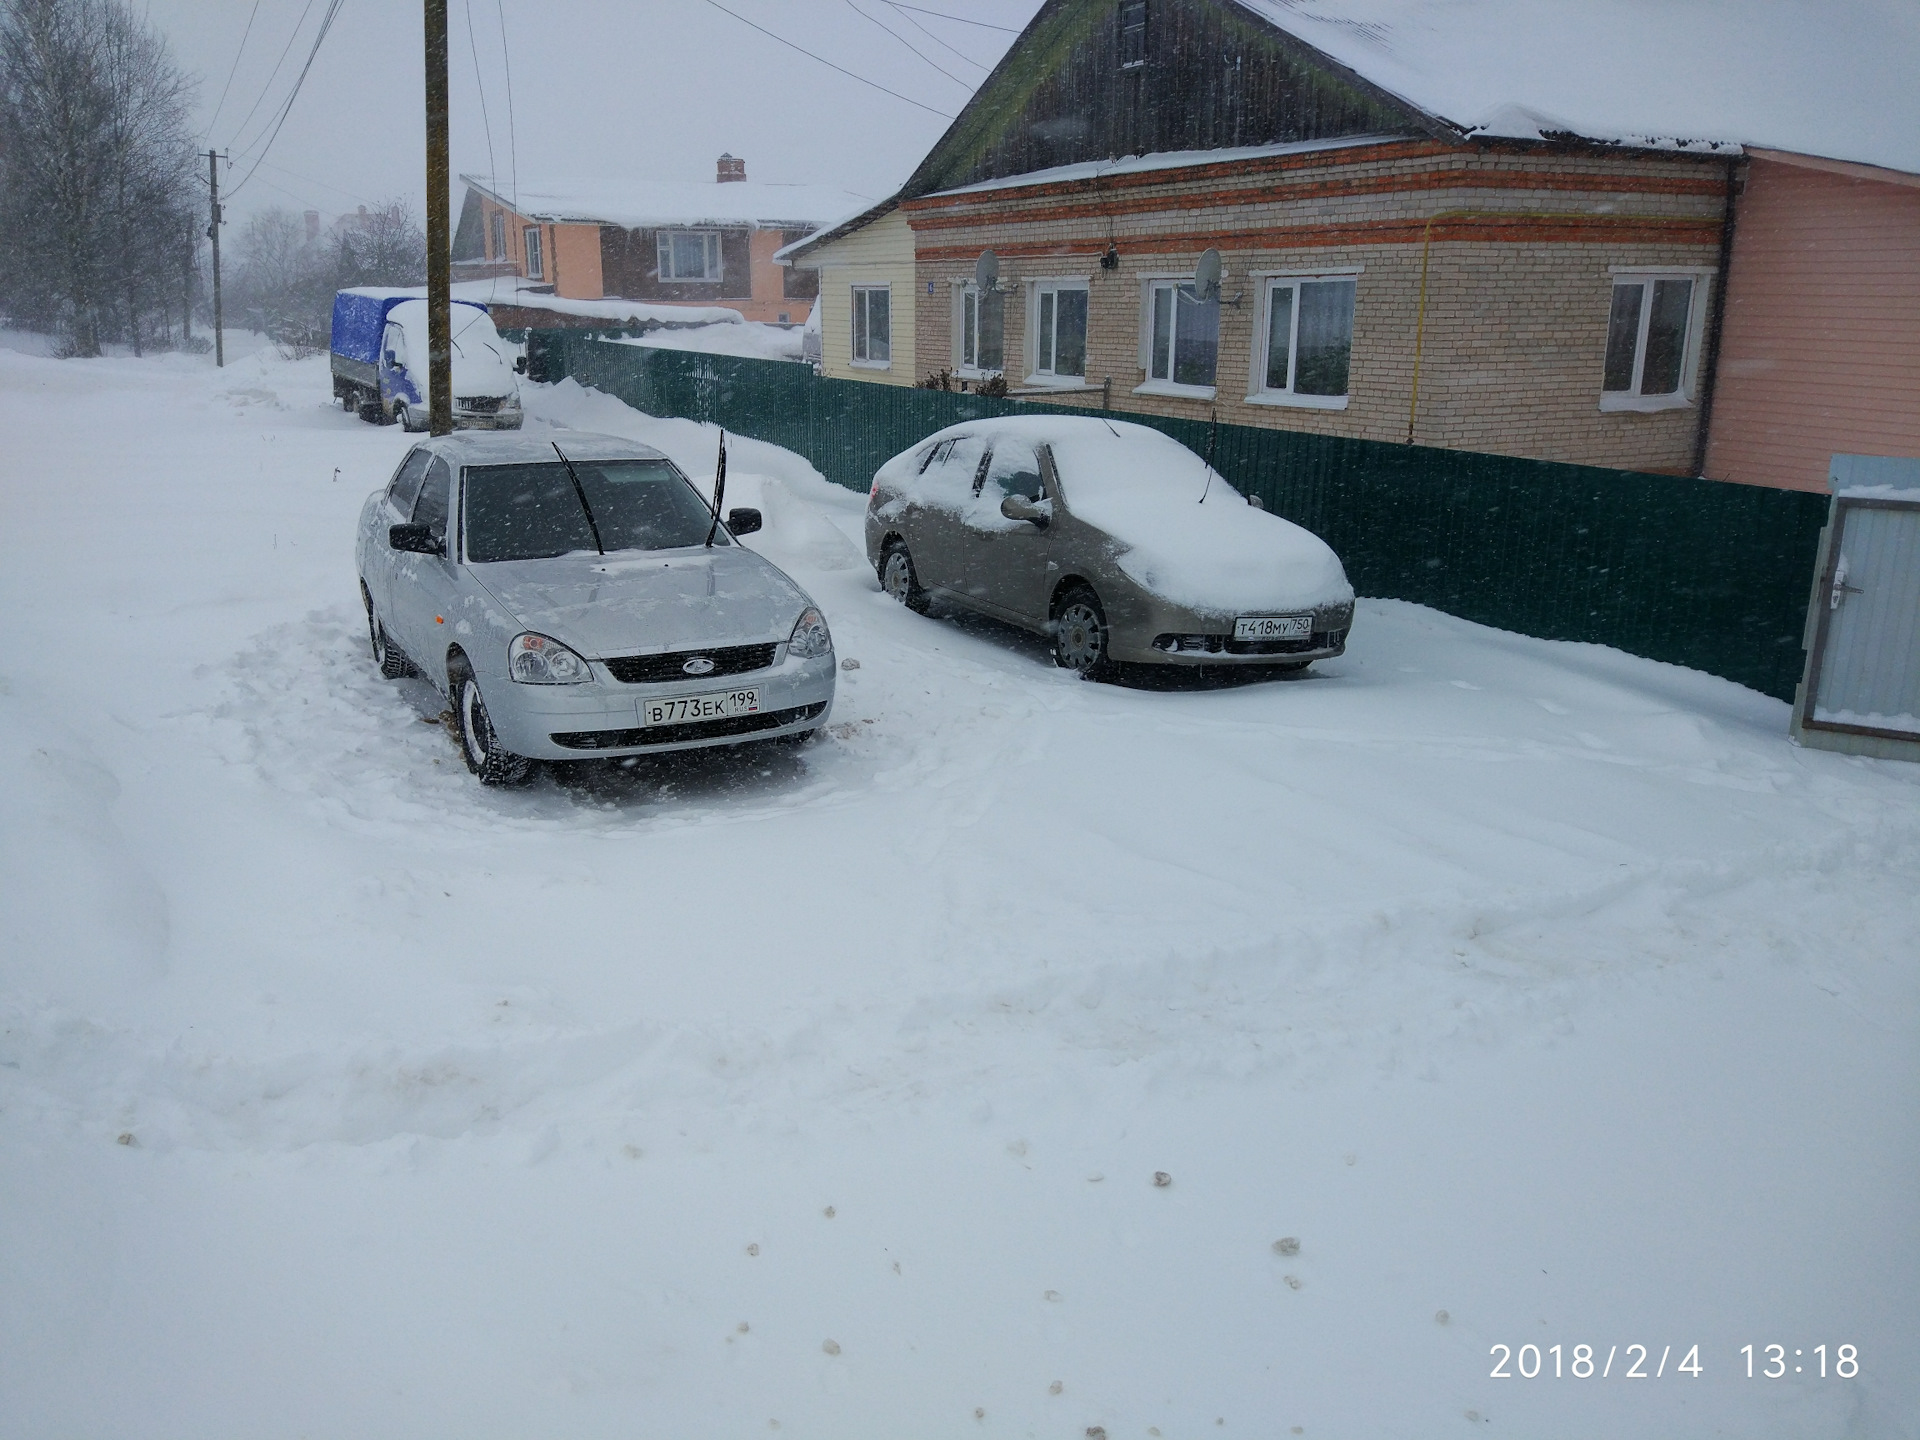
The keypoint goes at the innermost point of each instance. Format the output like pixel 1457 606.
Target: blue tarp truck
pixel 379 360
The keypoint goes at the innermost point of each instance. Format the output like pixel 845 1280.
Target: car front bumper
pixel 1162 634
pixel 601 718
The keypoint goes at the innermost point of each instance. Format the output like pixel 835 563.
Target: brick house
pixel 664 243
pixel 1402 258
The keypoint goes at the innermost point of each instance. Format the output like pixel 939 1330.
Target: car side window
pixel 394 342
pixel 1014 468
pixel 405 488
pixel 430 509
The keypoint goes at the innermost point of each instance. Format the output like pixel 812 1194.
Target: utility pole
pixel 213 234
pixel 439 248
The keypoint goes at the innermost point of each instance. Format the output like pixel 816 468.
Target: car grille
pixel 1226 645
pixel 691 730
pixel 651 669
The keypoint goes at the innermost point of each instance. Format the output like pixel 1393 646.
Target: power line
pixel 274 74
pixel 828 63
pixel 874 21
pixel 513 144
pixel 486 124
pixel 957 19
pixel 936 39
pixel 234 68
pixel 326 24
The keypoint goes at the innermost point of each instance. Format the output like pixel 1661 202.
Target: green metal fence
pixel 1697 572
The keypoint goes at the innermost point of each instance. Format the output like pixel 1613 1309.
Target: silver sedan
pixel 583 604
pixel 1118 542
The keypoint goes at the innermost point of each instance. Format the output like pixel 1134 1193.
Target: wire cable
pixel 232 70
pixel 875 21
pixel 828 63
pixel 272 75
pixel 957 19
pixel 904 15
pixel 513 144
pixel 326 24
pixel 486 124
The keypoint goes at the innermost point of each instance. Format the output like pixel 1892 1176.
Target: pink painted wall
pixel 1821 349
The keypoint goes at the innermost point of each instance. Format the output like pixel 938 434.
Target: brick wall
pixel 1517 248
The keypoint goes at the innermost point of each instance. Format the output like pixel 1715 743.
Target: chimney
pixel 313 224
pixel 731 169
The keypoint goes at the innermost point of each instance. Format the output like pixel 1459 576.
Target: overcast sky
pixel 602 89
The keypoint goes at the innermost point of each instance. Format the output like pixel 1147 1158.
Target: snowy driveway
pixel 1542 994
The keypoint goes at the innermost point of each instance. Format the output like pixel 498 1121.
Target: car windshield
pixel 530 512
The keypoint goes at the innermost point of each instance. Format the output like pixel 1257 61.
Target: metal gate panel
pixel 1862 687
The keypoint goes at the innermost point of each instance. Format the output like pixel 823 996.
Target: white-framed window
pixel 535 269
pixel 497 235
pixel 689 254
pixel 1653 338
pixel 979 331
pixel 1057 323
pixel 1179 339
pixel 1303 349
pixel 873 326
pixel 1133 33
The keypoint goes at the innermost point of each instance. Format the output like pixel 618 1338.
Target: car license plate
pixel 1273 627
pixel 677 709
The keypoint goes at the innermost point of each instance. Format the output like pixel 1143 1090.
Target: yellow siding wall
pixel 877 254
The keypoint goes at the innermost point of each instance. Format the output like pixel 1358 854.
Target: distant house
pixel 1481 224
pixel 661 242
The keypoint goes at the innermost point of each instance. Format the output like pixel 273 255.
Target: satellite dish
pixel 1206 276
pixel 986 271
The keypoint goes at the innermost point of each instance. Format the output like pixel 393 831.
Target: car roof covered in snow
pixel 517 447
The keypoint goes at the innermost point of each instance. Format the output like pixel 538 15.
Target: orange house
pixel 661 242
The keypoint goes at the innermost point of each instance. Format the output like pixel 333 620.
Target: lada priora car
pixel 591 605
pixel 1119 542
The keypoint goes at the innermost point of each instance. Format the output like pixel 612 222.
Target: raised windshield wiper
pixel 580 490
pixel 719 486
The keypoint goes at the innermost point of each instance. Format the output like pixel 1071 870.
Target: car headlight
pixel 810 639
pixel 541 660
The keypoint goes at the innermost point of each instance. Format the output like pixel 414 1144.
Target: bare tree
pixel 96 178
pixel 384 246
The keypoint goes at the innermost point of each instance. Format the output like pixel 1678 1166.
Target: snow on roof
pixel 1162 160
pixel 512 290
pixel 648 203
pixel 1822 77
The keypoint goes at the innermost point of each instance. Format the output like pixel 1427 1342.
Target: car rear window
pixel 531 512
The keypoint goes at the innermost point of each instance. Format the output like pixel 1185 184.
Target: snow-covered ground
pixel 1470 991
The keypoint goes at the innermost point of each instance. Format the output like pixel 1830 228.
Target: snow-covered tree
pixel 97 184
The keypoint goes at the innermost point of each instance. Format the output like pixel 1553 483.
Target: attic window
pixel 1133 34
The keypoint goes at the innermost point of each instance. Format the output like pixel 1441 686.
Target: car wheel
pixel 392 660
pixel 1080 633
pixel 403 413
pixel 478 745
pixel 900 580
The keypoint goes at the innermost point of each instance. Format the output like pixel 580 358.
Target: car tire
pixel 392 660
pixel 478 745
pixel 900 580
pixel 371 412
pixel 403 416
pixel 1080 633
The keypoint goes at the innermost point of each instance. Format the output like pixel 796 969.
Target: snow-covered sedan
pixel 1117 541
pixel 583 600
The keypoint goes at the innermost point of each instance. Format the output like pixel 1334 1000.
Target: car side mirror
pixel 520 365
pixel 419 539
pixel 1019 507
pixel 744 520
